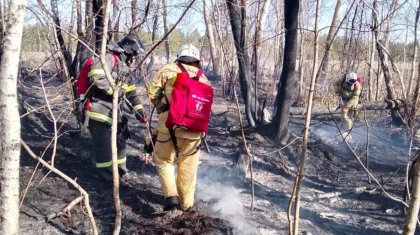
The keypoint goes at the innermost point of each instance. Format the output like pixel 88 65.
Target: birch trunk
pixel 116 181
pixel 413 62
pixel 414 205
pixel 165 29
pixel 329 41
pixel 210 35
pixel 396 116
pixel 301 166
pixel 9 120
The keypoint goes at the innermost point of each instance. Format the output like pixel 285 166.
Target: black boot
pixel 105 174
pixel 171 203
pixel 122 170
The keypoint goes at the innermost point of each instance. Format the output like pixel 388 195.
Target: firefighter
pixel 351 89
pixel 178 190
pixel 119 57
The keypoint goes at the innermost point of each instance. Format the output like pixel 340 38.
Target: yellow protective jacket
pixel 160 86
pixel 101 92
pixel 350 94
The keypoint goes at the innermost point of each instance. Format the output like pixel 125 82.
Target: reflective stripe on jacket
pixel 101 96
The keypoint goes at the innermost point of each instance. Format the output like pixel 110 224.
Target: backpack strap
pixel 116 60
pixel 199 72
pixel 174 142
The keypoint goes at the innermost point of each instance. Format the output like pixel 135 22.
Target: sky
pixel 194 20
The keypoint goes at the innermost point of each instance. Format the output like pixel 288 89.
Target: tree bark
pixel 210 35
pixel 415 102
pixel 116 15
pixel 301 166
pixel 155 29
pixel 57 27
pixel 165 30
pixel 396 116
pixel 133 12
pixel 116 89
pixel 287 84
pixel 413 62
pixel 10 120
pixel 329 41
pixel 98 12
pixel 237 13
pixel 414 205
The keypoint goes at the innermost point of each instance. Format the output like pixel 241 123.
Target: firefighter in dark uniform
pixel 118 58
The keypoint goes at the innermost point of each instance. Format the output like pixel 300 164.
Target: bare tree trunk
pixel 98 12
pixel 133 12
pixel 396 116
pixel 116 16
pixel 57 27
pixel 116 181
pixel 415 102
pixel 155 28
pixel 329 41
pixel 10 121
pixel 413 62
pixel 210 35
pixel 165 30
pixel 301 88
pixel 414 205
pixel 371 68
pixel 262 16
pixel 237 13
pixel 287 84
pixel 301 166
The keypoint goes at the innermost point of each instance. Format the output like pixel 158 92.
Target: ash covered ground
pixel 337 195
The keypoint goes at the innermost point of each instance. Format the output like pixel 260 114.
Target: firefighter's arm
pixel 354 101
pixel 97 75
pixel 157 84
pixel 136 106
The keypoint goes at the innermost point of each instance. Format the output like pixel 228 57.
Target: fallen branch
pixel 248 152
pixel 68 179
pixel 336 194
pixel 65 210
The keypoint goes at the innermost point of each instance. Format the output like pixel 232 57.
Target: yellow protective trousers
pixel 347 118
pixel 183 184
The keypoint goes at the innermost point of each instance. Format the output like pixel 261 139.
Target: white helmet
pixel 189 51
pixel 351 78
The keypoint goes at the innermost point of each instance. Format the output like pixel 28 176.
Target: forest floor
pixel 336 197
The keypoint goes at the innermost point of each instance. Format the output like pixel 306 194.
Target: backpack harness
pixel 190 105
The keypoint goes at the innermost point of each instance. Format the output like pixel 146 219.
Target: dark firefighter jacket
pixel 101 94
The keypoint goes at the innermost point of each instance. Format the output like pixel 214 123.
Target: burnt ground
pixel 336 197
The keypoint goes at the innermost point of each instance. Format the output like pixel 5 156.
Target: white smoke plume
pixel 222 199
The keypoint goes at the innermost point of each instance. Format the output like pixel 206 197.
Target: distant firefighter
pixel 350 92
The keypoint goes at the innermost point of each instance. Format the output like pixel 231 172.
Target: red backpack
pixel 82 82
pixel 191 103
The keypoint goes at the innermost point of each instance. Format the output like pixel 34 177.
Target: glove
pixel 343 106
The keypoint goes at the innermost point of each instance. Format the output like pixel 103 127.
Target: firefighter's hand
pixel 343 106
pixel 352 106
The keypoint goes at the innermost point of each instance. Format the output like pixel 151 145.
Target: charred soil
pixel 337 195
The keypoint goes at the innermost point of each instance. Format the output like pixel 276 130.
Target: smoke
pixel 223 200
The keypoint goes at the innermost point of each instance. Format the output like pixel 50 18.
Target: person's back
pixel 178 142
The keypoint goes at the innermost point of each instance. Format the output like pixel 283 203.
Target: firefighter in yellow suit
pixel 350 95
pixel 178 190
